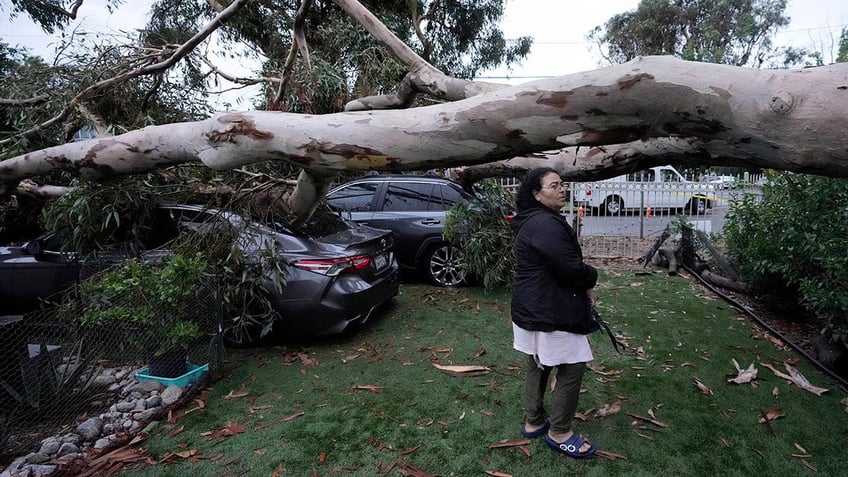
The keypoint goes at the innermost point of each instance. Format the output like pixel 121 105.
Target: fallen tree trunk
pixel 654 107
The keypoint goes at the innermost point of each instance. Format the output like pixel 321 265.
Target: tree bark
pixel 643 113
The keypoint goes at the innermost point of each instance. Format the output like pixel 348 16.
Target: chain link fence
pixel 78 358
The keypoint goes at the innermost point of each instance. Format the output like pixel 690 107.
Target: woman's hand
pixel 593 299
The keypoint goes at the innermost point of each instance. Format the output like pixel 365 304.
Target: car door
pixel 29 274
pixel 414 212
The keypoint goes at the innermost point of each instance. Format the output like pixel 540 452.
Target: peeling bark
pixel 641 113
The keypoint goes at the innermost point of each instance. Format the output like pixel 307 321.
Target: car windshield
pixel 324 222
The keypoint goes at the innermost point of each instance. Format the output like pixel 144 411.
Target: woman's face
pixel 552 192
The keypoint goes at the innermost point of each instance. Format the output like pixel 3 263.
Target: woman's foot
pixel 570 444
pixel 531 431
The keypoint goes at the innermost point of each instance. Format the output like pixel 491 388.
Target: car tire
pixel 613 206
pixel 441 266
pixel 696 206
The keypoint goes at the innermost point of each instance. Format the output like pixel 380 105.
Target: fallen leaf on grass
pixel 655 422
pixel 603 454
pixel 263 425
pixel 743 375
pixel 497 474
pixel 236 394
pixel 462 371
pixel 255 409
pixel 368 387
pixel 411 471
pixel 771 415
pixel 705 390
pixel 796 378
pixel 802 382
pixel 410 450
pixel 608 409
pixel 809 465
pixel 259 452
pixel 231 429
pixel 511 443
pixel 798 446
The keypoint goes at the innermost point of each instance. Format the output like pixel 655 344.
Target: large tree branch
pixel 172 56
pixel 783 119
pixel 422 77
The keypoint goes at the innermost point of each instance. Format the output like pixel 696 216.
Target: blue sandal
pixel 537 433
pixel 571 446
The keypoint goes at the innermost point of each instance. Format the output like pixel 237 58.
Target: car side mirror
pixel 34 247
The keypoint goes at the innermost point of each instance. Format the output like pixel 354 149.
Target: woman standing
pixel 551 300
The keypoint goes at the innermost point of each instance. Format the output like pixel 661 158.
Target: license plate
pixel 380 261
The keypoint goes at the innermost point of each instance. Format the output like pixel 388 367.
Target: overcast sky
pixel 558 26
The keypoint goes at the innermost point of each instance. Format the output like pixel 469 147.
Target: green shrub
pixel 479 227
pixel 790 247
pixel 151 301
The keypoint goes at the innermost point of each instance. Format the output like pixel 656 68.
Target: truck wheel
pixel 696 206
pixel 613 206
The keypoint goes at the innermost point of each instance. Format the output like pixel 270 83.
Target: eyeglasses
pixel 554 186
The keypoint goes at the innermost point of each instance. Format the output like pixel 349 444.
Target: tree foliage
pixel 482 229
pixel 736 32
pixel 50 15
pixel 790 245
pixel 842 55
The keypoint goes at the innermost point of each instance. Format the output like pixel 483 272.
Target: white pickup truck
pixel 660 187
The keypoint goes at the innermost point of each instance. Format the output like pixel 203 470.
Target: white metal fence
pixel 647 211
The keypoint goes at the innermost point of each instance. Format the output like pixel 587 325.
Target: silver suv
pixel 413 208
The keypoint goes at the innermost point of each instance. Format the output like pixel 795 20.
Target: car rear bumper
pixel 345 300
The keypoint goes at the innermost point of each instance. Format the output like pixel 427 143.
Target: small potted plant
pixel 151 305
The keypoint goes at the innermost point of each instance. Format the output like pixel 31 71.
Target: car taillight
pixel 588 189
pixel 333 266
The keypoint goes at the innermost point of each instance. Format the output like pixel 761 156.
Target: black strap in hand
pixel 606 329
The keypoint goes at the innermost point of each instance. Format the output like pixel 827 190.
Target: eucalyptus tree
pixel 736 32
pixel 648 111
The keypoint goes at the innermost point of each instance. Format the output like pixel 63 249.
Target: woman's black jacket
pixel 550 284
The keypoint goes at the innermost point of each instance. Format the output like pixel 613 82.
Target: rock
pixel 147 415
pixel 68 448
pixel 72 438
pixel 104 381
pixel 153 401
pixel 36 458
pixel 146 386
pixel 50 446
pixel 90 429
pixel 125 406
pixel 171 394
pixel 108 428
pixel 102 443
pixel 41 470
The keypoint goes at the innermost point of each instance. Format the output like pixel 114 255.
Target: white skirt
pixel 552 348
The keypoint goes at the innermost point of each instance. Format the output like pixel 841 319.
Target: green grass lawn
pixel 371 403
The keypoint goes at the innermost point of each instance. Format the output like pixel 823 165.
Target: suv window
pixel 410 196
pixel 450 196
pixel 354 198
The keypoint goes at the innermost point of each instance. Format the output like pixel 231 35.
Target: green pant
pixel 563 399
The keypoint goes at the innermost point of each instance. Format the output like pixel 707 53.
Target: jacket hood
pixel 522 217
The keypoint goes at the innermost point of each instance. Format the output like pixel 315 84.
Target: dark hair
pixel 530 184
